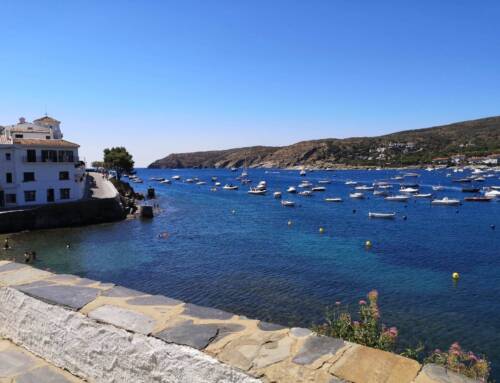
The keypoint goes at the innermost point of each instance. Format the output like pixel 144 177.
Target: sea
pixel 249 255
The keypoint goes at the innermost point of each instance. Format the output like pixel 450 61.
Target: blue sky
pixel 173 76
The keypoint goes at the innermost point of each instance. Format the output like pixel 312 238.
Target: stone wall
pixel 107 333
pixel 78 213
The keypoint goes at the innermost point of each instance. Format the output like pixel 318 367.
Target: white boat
pixel 334 199
pixel 438 188
pixel 214 178
pixel 382 193
pixel 407 175
pixel 495 187
pixel 244 174
pixel 408 190
pixel 423 195
pixel 305 185
pixel 357 195
pixel 397 198
pixel 166 182
pixel 291 189
pixel 201 183
pixel 230 187
pixel 176 178
pixel 306 193
pixel 189 181
pixel 217 183
pixel 324 182
pixel 382 215
pixel 137 181
pixel 318 188
pixel 397 178
pixel 256 191
pixel 302 173
pixel 287 203
pixel 277 195
pixel 385 186
pixel 234 169
pixel 492 194
pixel 446 201
pixel 351 182
pixel 364 187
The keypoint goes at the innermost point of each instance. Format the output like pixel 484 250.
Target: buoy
pixel 233 211
pixel 290 222
pixel 368 243
pixel 321 230
pixel 455 275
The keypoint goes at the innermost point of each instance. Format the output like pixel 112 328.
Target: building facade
pixel 37 166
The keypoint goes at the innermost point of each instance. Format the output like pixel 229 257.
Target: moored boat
pixel 446 201
pixel 318 188
pixel 478 199
pixel 277 195
pixel 357 195
pixel 230 187
pixel 397 198
pixel 291 189
pixel 306 193
pixel 333 199
pixel 287 203
pixel 382 215
pixel 256 191
pixel 423 195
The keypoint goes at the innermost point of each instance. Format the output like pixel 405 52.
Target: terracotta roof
pixel 39 142
pixel 48 119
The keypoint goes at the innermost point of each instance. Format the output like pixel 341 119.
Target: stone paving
pixel 269 352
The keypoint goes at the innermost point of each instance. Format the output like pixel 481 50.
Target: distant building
pixel 37 166
pixel 458 159
pixel 441 160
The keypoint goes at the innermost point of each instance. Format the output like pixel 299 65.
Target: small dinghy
pixel 357 195
pixel 423 195
pixel 291 189
pixel 257 191
pixel 166 182
pixel 333 199
pixel 382 215
pixel 397 198
pixel 306 193
pixel 230 187
pixel 446 201
pixel 287 203
pixel 277 195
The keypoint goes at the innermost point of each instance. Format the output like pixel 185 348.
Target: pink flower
pixel 373 295
pixel 362 302
pixel 393 331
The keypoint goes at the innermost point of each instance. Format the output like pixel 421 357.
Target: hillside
pixel 411 147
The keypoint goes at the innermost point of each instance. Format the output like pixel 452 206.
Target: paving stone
pixel 121 317
pixel 74 297
pixel 189 334
pixel 266 326
pixel 300 332
pixel 273 352
pixel 86 282
pixel 153 300
pixel 227 329
pixel 362 364
pixel 64 278
pixel 23 275
pixel 34 284
pixel 11 266
pixel 43 374
pixel 432 373
pixel 14 362
pixel 121 292
pixel 205 312
pixel 317 346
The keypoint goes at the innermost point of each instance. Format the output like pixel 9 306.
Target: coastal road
pixel 98 187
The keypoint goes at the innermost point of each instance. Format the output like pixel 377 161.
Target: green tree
pixel 119 160
pixel 97 164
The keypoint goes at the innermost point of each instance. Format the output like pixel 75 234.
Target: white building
pixel 37 166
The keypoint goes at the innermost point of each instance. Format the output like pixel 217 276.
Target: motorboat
pixel 217 183
pixel 351 182
pixel 408 190
pixel 306 193
pixel 406 185
pixel 382 215
pixel 166 182
pixel 291 189
pixel 302 173
pixel 446 201
pixel 470 190
pixel 277 195
pixel 201 183
pixel 177 178
pixel 333 199
pixel 305 185
pixel 397 178
pixel 364 187
pixel 233 169
pixel 407 175
pixel 256 191
pixel 478 199
pixel 189 181
pixel 230 187
pixel 246 181
pixel 397 198
pixel 422 195
pixel 492 193
pixel 262 185
pixel 381 193
pixel 438 188
pixel 318 189
pixel 137 180
pixel 324 182
pixel 495 187
pixel 214 178
pixel 384 186
pixel 287 203
pixel 357 195
pixel 462 180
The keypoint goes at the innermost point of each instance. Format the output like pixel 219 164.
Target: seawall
pixel 101 332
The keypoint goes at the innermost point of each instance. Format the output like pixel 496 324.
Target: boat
pixel 166 182
pixel 492 193
pixel 277 195
pixel 382 193
pixel 287 203
pixel 364 187
pixel 406 185
pixel 446 201
pixel 495 187
pixel 302 173
pixel 234 169
pixel 333 199
pixel 478 199
pixel 255 191
pixel 438 188
pixel 201 183
pixel 137 180
pixel 318 188
pixel 422 195
pixel 305 185
pixel 470 190
pixel 189 181
pixel 408 190
pixel 357 195
pixel 324 182
pixel 291 189
pixel 214 178
pixel 246 181
pixel 407 175
pixel 306 193
pixel 384 186
pixel 397 178
pixel 176 178
pixel 397 198
pixel 382 215
pixel 217 183
pixel 213 189
pixel 262 185
pixel 230 187
pixel 480 179
pixel 462 180
pixel 351 182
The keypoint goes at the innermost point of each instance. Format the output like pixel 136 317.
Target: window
pixel 18 136
pixel 8 178
pixel 29 196
pixel 63 176
pixel 28 176
pixel 31 155
pixel 47 137
pixel 49 155
pixel 8 156
pixel 64 193
pixel 66 156
pixel 10 198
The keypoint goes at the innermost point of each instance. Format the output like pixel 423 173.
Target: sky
pixel 161 76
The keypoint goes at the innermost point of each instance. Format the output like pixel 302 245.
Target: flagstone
pixel 124 318
pixel 74 297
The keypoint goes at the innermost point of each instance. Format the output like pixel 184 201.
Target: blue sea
pixel 237 252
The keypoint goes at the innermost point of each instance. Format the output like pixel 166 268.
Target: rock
pixel 121 292
pixel 121 317
pixel 74 297
pixel 273 352
pixel 362 364
pixel 205 312
pixel 300 332
pixel 266 326
pixel 316 347
pixel 22 275
pixel 186 333
pixel 153 300
pixel 432 373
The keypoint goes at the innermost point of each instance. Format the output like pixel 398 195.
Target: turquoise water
pixel 253 263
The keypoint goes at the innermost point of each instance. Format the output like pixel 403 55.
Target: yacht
pixel 382 193
pixel 305 185
pixel 217 183
pixel 201 183
pixel 446 201
pixel 408 190
pixel 306 193
pixel 230 187
pixel 189 181
pixel 492 193
pixel 166 182
pixel 176 178
pixel 364 187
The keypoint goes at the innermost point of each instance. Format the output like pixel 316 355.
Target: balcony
pixel 38 160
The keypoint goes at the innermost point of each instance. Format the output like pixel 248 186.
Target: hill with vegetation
pixel 411 147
